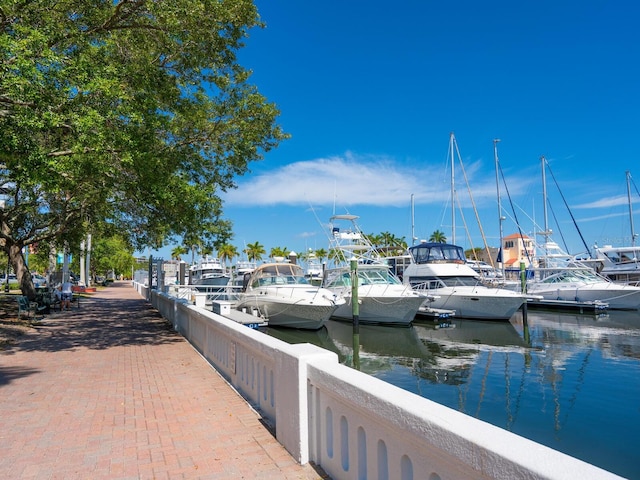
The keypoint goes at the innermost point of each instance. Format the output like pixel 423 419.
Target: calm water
pixel 568 381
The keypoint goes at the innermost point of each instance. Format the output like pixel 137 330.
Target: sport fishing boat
pixel 382 298
pixel 441 270
pixel 559 276
pixel 208 272
pixel 621 263
pixel 281 294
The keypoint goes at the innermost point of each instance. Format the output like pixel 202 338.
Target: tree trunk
pixel 21 269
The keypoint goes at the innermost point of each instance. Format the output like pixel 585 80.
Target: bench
pixel 26 307
pixel 48 300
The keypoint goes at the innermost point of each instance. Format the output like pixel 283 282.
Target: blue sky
pixel 370 92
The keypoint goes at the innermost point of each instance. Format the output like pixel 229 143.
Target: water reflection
pixel 572 385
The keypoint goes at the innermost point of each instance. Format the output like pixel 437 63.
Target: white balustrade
pixel 355 426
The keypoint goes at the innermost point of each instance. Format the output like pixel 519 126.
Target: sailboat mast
pixel 453 191
pixel 546 232
pixel 500 217
pixel 413 222
pixel 633 233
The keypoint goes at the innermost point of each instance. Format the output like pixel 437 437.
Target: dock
pixel 440 317
pixel 227 310
pixel 564 305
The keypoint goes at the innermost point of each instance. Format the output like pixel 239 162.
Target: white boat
pixel 382 298
pixel 314 270
pixel 242 270
pixel 441 270
pixel 208 272
pixel 281 294
pixel 558 276
pixel 621 264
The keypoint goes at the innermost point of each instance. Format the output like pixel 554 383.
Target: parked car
pixel 38 280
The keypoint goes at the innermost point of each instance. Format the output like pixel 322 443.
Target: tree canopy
pixel 130 112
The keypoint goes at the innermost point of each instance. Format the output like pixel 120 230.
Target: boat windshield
pixel 429 283
pixel 573 276
pixel 280 274
pixel 378 276
pixel 620 256
pixel 211 271
pixel 437 252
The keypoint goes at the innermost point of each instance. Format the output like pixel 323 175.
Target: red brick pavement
pixel 109 390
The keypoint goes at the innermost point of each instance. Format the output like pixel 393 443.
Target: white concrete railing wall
pixel 355 426
pixel 363 427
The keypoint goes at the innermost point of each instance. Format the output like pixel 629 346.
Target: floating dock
pixel 227 310
pixel 434 314
pixel 574 306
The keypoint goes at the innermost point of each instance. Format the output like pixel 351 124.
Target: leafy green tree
pixel 337 256
pixel 279 252
pixel 373 239
pixel 254 251
pixel 178 251
pixel 130 111
pixel 227 252
pixel 111 254
pixel 321 254
pixel 474 253
pixel 438 237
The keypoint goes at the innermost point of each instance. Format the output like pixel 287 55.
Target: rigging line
pixel 515 217
pixel 555 219
pixel 473 204
pixel 464 223
pixel 575 224
pixel 634 184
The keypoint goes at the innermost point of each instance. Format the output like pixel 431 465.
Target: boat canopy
pixel 429 252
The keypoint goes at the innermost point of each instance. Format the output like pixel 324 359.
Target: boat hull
pixel 283 313
pixel 374 310
pixel 478 303
pixel 382 307
pixel 616 296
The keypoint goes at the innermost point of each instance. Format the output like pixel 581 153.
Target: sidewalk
pixel 110 391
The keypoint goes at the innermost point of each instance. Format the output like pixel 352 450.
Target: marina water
pixel 569 381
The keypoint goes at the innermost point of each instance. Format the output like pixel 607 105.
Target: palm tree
pixel 337 256
pixel 279 252
pixel 321 254
pixel 227 251
pixel 438 237
pixel 254 251
pixel 373 239
pixel 178 251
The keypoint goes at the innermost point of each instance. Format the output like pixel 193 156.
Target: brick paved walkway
pixel 109 390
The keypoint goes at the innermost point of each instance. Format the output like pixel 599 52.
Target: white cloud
pixel 352 179
pixel 606 202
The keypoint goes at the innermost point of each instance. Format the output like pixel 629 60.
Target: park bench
pixel 48 300
pixel 27 307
